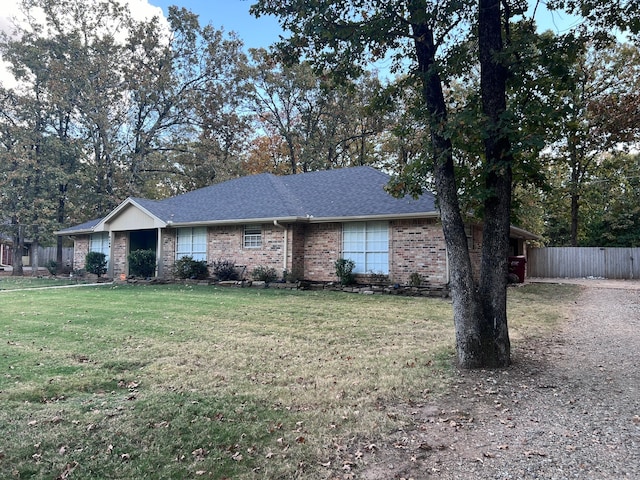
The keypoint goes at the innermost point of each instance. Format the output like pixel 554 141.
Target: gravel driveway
pixel 570 409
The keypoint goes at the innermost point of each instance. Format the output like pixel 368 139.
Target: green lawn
pixel 15 283
pixel 203 382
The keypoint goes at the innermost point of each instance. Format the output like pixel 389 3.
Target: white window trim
pixel 364 252
pixel 251 239
pixel 191 250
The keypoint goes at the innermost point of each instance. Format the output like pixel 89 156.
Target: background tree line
pixel 107 106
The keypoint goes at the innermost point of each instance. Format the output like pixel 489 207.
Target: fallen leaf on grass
pixel 199 453
pixel 68 470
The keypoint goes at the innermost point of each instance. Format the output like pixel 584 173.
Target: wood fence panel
pixel 581 262
pixel 49 253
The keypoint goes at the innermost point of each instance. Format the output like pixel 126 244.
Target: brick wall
pixel 226 243
pixel 296 250
pixel 80 250
pixel 417 246
pixel 119 248
pixel 322 247
pixel 168 254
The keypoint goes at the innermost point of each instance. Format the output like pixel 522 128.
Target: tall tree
pixel 597 95
pixel 321 123
pixel 435 43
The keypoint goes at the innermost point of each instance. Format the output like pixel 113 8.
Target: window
pixel 252 236
pixel 367 244
pixel 99 242
pixel 192 242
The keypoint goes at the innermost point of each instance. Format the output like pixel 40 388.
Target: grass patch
pixel 180 381
pixel 18 283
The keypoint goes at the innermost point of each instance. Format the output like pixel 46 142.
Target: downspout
pixel 285 249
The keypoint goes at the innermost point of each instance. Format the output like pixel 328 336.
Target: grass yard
pixel 15 283
pixel 172 382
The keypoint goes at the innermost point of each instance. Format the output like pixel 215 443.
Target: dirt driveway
pixel 568 409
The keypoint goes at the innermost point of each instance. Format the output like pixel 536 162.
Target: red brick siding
pixel 168 254
pixel 119 249
pixel 296 254
pixel 322 247
pixel 226 242
pixel 417 246
pixel 80 249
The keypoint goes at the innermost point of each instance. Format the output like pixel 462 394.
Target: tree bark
pixel 18 247
pixel 498 183
pixel 467 314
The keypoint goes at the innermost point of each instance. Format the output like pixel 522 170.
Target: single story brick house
pixel 298 223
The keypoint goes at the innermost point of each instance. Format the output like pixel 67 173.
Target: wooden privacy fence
pixel 49 253
pixel 582 262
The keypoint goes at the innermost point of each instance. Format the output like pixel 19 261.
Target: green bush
pixel 142 263
pixel 264 274
pixel 52 267
pixel 294 275
pixel 344 271
pixel 96 263
pixel 415 280
pixel 224 270
pixel 188 268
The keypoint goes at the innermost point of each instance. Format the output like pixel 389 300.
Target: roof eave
pixel 523 234
pixel 236 221
pixel 384 216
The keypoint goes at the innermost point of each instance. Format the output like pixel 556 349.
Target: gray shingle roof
pixel 82 228
pixel 331 194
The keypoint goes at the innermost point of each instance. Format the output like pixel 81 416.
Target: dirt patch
pixel 569 407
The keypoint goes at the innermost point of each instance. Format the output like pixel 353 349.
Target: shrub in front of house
pixel 224 270
pixel 52 267
pixel 187 268
pixel 264 274
pixel 344 271
pixel 96 263
pixel 142 263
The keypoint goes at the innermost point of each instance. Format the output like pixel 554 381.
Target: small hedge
pixel 142 263
pixel 96 263
pixel 224 270
pixel 188 268
pixel 264 274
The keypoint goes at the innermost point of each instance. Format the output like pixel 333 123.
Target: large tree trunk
pixel 35 257
pixel 498 184
pixel 18 247
pixel 467 313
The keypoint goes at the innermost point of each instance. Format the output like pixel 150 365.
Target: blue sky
pixel 234 15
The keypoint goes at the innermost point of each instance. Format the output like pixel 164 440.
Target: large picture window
pixel 252 236
pixel 99 242
pixel 367 244
pixel 192 242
